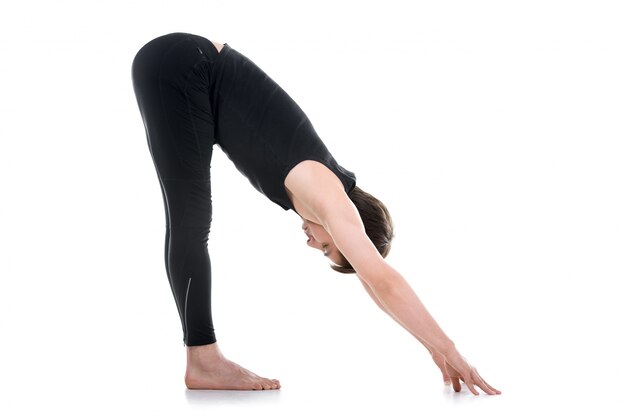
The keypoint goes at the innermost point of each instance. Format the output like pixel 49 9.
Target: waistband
pixel 205 45
pixel 166 43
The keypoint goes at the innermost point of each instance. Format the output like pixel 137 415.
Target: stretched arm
pixel 333 209
pixel 341 220
pixel 437 357
pixel 383 308
pixel 398 299
pixel 393 293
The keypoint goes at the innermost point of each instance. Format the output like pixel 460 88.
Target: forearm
pixel 399 300
pixel 343 223
pixel 383 308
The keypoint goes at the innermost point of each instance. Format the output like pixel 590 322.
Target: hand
pixel 440 361
pixel 454 366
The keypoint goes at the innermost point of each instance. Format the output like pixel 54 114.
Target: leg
pixel 187 258
pixel 170 79
pixel 179 129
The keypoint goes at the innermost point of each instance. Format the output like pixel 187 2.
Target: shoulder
pixel 314 188
pixel 309 170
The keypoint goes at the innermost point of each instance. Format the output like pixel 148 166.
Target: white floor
pixel 113 360
pixel 127 381
pixel 493 131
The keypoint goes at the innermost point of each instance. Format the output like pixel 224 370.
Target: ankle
pixel 203 352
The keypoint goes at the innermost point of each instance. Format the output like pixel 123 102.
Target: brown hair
pixel 377 222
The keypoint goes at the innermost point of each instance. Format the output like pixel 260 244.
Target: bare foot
pixel 207 368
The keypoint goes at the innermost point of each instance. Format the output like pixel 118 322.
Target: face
pixel 319 239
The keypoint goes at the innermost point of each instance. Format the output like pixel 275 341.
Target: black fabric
pixel 263 130
pixel 191 97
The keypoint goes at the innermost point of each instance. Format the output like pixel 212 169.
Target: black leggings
pixel 171 79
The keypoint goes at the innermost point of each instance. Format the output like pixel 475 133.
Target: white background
pixel 494 132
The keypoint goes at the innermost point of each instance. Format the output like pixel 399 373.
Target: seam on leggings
pixel 168 267
pixel 185 208
pixel 186 297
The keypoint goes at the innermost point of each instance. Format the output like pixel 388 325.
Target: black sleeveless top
pixel 262 129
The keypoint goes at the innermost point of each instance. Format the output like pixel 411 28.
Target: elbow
pixel 383 285
pixel 378 274
pixel 383 279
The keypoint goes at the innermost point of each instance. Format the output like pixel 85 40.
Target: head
pixel 378 226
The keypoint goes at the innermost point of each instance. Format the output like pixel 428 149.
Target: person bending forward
pixel 194 93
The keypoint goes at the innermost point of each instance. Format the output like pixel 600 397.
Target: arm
pixel 378 303
pixel 341 220
pixel 321 195
pixel 399 300
pixel 437 357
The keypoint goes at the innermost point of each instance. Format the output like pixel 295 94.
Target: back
pixel 262 129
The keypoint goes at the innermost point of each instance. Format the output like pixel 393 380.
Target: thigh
pixel 171 84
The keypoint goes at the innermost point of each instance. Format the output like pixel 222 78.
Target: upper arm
pixel 342 221
pixel 322 198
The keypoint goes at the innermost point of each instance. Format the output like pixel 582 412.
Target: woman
pixel 193 93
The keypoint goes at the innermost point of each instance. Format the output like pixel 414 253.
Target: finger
pixel 497 391
pixel 480 382
pixel 470 384
pixel 484 385
pixel 456 385
pixel 446 375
